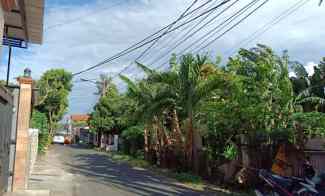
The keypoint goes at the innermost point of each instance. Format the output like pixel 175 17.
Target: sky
pixel 81 33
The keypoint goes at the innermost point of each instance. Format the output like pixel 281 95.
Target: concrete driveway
pixel 77 171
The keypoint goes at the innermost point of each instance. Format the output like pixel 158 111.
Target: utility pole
pixel 104 88
pixel 8 68
pixel 104 84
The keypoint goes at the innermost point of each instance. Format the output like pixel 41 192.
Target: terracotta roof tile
pixel 80 117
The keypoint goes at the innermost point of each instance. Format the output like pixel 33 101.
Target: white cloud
pixel 310 68
pixel 292 74
pixel 107 31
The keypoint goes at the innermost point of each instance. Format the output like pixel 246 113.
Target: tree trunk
pixel 50 124
pixel 300 136
pixel 146 143
pixel 176 129
pixel 192 145
pixel 189 142
pixel 245 151
pixel 158 140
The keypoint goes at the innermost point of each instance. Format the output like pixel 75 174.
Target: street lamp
pixel 102 85
pixel 86 80
pixel 27 73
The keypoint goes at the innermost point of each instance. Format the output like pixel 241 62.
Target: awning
pixel 25 21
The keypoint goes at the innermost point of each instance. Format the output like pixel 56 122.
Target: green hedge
pixel 39 121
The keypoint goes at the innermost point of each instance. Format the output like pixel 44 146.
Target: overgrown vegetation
pixel 39 121
pixel 197 115
pixel 54 87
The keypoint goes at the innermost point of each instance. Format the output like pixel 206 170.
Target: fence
pixel 32 148
pixel 6 122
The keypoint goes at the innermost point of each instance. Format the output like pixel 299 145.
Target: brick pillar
pixel 24 111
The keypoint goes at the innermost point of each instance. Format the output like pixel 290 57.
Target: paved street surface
pixel 77 171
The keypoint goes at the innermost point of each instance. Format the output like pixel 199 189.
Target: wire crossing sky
pixel 74 42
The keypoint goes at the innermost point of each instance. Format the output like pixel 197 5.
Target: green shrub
pixel 39 121
pixel 187 178
pixel 133 161
pixel 230 152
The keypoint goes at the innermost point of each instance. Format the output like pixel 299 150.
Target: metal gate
pixel 6 116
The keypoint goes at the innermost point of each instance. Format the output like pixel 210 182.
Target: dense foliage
pixel 54 87
pixel 199 106
pixel 39 121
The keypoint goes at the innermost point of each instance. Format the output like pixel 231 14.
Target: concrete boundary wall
pixel 6 116
pixel 32 149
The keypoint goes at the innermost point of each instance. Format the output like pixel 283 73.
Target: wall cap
pixel 24 80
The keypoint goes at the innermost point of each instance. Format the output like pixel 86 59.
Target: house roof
pixel 80 117
pixel 24 21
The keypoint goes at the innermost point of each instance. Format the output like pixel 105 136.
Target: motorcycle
pixel 285 186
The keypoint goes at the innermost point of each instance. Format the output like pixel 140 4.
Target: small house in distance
pixel 79 128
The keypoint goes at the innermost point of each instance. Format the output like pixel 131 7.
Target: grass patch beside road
pixel 132 161
pixel 184 179
pixel 189 180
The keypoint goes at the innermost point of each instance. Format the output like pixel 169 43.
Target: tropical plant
pixel 39 121
pixel 251 100
pixel 54 87
pixel 148 113
pixel 190 81
pixel 106 114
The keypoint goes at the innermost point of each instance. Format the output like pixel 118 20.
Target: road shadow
pixel 98 167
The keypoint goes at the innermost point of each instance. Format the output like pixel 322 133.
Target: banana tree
pixel 187 86
pixel 150 113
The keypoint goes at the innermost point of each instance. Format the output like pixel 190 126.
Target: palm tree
pixel 187 86
pixel 305 89
pixel 150 112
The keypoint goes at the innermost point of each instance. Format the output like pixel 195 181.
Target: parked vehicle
pixel 58 138
pixel 320 183
pixel 285 186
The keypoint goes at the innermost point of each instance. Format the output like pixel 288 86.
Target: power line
pixel 171 26
pixel 148 37
pixel 191 34
pixel 233 26
pixel 204 38
pixel 180 35
pixel 137 46
pixel 164 33
pixel 269 25
pixel 126 51
pixel 77 19
pixel 168 44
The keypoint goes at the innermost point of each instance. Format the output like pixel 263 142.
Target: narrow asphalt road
pixel 77 171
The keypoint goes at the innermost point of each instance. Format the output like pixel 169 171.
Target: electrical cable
pixel 233 26
pixel 268 26
pixel 204 38
pixel 191 34
pixel 186 34
pixel 180 35
pixel 137 46
pixel 164 33
pixel 77 19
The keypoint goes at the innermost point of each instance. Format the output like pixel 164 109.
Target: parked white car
pixel 58 139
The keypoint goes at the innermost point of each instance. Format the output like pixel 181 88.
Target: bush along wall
pixel 39 121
